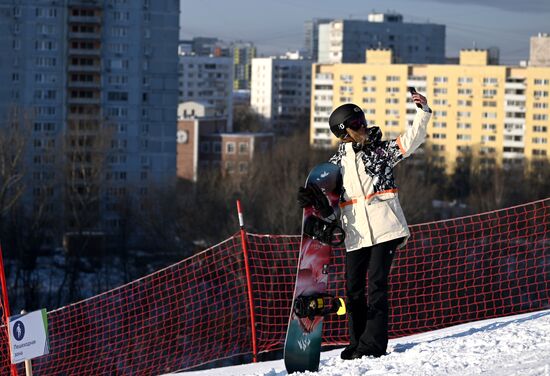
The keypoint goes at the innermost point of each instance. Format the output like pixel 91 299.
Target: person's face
pixel 356 130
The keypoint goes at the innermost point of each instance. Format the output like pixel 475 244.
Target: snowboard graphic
pixel 310 301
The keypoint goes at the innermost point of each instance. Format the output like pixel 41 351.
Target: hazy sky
pixel 276 26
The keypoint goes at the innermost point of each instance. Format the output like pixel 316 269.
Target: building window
pixel 540 140
pixel 489 93
pixel 243 167
pixel 486 138
pixel 230 148
pixel 230 167
pixel 243 148
pixel 490 81
pixel 205 147
pixel 489 127
pixel 347 78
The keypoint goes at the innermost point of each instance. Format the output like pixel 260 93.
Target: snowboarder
pixel 371 216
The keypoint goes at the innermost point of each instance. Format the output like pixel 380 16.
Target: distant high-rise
pixel 203 46
pixel 345 41
pixel 281 90
pixel 208 80
pixel 311 42
pixel 539 55
pixel 243 53
pixel 92 74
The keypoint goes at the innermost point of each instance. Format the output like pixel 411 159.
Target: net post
pixel 6 305
pixel 248 283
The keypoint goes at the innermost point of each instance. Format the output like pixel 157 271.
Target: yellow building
pixel 499 113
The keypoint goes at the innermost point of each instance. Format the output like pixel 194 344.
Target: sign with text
pixel 29 336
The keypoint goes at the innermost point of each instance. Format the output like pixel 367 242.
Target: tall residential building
pixel 539 54
pixel 345 41
pixel 280 90
pixel 311 40
pixel 208 79
pixel 243 53
pixel 499 113
pixel 92 74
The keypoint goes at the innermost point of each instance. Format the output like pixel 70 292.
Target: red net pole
pixel 6 304
pixel 248 283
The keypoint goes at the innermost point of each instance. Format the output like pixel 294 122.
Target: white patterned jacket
pixel 370 208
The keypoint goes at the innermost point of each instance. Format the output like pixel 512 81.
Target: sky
pixel 276 26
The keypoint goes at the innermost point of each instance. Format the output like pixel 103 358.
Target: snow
pixel 514 345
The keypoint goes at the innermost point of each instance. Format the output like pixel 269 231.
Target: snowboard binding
pixel 326 232
pixel 318 305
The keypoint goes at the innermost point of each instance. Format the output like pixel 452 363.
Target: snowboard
pixel 311 302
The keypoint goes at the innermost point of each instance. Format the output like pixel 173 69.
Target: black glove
pixel 312 195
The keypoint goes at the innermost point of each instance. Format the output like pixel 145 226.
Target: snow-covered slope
pixel 515 345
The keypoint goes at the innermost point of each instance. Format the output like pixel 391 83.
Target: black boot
pixel 348 352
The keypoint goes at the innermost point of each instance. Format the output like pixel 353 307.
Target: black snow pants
pixel 368 320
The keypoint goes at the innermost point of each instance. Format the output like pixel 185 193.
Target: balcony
pixel 85 19
pixel 84 52
pixel 84 84
pixel 96 35
pixel 93 101
pixel 84 68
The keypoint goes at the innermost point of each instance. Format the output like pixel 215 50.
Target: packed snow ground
pixel 514 345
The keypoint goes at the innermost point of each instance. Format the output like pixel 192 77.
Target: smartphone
pixel 412 90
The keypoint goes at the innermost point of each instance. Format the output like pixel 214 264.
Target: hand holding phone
pixel 412 90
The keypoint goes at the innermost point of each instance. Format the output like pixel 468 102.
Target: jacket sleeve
pixel 406 143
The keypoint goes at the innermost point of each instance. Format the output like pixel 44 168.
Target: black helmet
pixel 341 115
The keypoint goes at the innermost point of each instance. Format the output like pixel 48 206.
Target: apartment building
pixel 280 90
pixel 345 41
pixel 243 53
pixel 205 145
pixel 539 52
pixel 204 46
pixel 311 37
pixel 499 113
pixel 208 79
pixel 87 70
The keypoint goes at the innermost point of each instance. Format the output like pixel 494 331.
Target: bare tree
pixel 420 180
pixel 245 119
pixel 13 147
